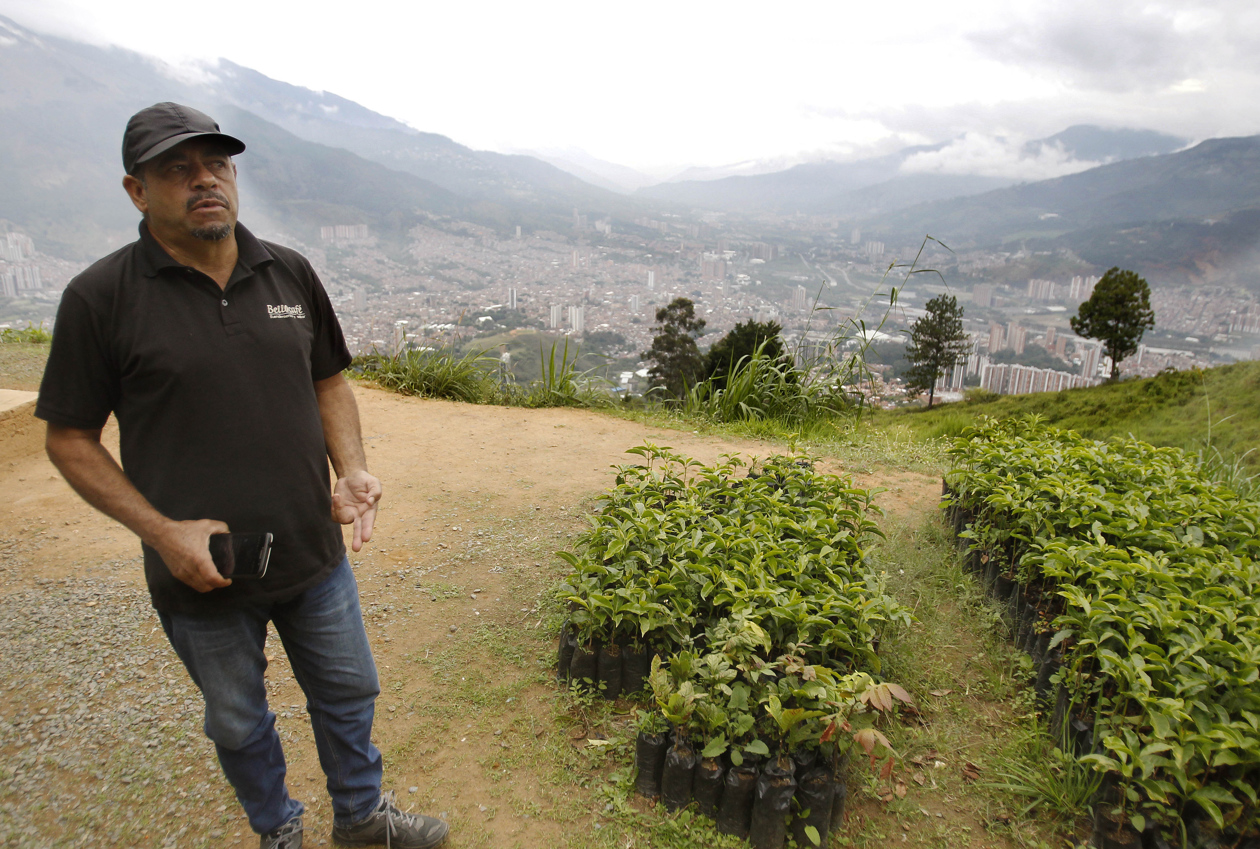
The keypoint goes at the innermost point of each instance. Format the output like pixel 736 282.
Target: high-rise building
pixel 800 299
pixel 512 298
pixel 982 295
pixel 634 305
pixel 518 231
pixel 855 238
pixel 763 251
pixel 1050 334
pixel 712 267
pixel 1091 355
pixel 577 319
pixel 996 337
pixel 343 233
pixel 1081 288
pixel 16 247
pixel 20 278
pixel 556 312
pixel 651 280
pixel 1016 337
pixel 874 249
pixel 1041 290
pixel 398 343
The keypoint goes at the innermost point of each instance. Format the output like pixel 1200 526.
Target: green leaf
pixel 757 747
pixel 812 834
pixel 715 747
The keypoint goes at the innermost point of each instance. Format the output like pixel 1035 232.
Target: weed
pixel 30 334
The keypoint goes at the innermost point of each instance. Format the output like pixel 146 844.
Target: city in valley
pixel 598 282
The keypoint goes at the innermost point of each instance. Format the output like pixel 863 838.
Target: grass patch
pixel 1213 410
pixel 476 377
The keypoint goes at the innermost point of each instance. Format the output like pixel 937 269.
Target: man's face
pixel 190 190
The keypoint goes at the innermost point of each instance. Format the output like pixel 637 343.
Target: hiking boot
pixel 287 836
pixel 388 826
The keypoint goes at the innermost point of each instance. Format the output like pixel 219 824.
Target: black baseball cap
pixel 153 131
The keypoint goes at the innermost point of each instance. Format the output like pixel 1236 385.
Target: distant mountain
pixel 480 175
pixel 597 172
pixel 1184 210
pixel 1212 178
pixel 305 185
pixel 878 184
pixel 313 157
pixel 1103 145
pixel 810 187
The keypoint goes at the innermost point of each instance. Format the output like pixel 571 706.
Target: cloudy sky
pixel 661 85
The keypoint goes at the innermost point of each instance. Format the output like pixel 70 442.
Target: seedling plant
pixel 1143 573
pixel 750 589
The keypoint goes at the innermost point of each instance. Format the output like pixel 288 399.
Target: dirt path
pixel 454 588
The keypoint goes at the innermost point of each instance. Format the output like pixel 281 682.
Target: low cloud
pixel 993 156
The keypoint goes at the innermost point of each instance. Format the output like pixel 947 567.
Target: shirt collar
pixel 251 253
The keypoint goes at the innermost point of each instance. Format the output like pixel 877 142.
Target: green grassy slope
pixel 1171 409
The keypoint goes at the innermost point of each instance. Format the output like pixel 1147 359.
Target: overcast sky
pixel 659 85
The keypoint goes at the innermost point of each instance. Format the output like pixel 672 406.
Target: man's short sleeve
pixel 81 383
pixel 329 354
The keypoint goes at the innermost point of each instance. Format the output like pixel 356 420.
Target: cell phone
pixel 241 555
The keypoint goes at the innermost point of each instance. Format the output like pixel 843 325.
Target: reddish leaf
pixel 829 733
pixel 886 772
pixel 866 739
pixel 899 693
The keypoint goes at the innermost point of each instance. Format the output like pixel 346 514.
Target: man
pixel 221 359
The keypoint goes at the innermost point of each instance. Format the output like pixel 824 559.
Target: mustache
pixel 200 196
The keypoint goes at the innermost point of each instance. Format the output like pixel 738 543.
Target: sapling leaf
pixel 715 747
pixel 757 747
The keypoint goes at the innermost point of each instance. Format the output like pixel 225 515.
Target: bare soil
pixel 100 738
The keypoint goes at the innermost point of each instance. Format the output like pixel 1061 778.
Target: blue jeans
pixel 322 632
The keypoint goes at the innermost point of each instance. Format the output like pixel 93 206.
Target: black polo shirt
pixel 215 400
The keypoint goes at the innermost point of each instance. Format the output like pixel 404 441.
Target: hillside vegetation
pixel 1215 409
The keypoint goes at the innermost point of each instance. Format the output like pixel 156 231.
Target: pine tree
pixel 677 361
pixel 937 344
pixel 1117 314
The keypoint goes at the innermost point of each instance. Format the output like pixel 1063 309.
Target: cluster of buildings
pixel 460 274
pixel 18 271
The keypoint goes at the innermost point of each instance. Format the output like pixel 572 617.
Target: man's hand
pixel 354 502
pixel 91 470
pixel 185 548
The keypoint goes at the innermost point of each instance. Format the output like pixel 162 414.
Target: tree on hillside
pixel 1117 314
pixel 741 342
pixel 937 344
pixel 677 361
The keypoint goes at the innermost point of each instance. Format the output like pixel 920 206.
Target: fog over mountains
pixel 1119 196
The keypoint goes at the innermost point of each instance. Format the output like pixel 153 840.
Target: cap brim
pixel 233 145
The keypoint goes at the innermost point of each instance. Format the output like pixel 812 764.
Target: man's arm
pixel 93 473
pixel 356 493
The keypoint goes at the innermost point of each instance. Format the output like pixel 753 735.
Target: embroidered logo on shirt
pixel 285 311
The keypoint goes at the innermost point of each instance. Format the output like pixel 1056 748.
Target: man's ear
pixel 138 192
